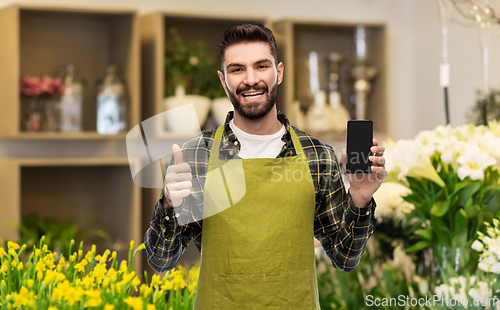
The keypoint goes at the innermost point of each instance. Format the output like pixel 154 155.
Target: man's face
pixel 251 78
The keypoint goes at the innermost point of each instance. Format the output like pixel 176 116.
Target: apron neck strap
pixel 214 153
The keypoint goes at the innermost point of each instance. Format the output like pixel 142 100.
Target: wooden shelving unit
pixel 95 191
pixel 41 40
pixel 297 38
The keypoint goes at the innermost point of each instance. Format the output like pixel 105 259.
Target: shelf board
pixel 85 135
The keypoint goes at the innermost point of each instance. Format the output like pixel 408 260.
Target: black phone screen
pixel 359 142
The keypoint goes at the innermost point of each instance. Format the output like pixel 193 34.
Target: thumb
pixel 177 154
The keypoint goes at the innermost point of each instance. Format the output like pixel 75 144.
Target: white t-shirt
pixel 258 146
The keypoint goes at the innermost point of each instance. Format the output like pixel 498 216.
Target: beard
pixel 254 110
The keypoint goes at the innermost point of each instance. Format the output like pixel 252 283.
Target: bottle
pixel 71 101
pixel 111 104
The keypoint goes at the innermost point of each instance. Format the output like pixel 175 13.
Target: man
pixel 259 253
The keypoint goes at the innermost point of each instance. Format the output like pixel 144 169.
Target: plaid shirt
pixel 342 228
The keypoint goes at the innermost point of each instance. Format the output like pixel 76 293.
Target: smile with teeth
pixel 252 95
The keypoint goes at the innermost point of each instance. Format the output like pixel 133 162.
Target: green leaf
pixel 493 204
pixel 415 185
pixel 425 233
pixel 439 208
pixel 469 191
pixel 442 231
pixel 470 209
pixel 419 246
pixel 461 185
pixel 460 221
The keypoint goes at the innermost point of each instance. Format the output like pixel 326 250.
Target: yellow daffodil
pixel 73 295
pixel 151 307
pixel 37 252
pixel 50 277
pixel 106 282
pixel 13 253
pixel 20 266
pixel 94 302
pixel 128 277
pixel 192 286
pixel 4 269
pixel 112 273
pixel 179 281
pixel 60 276
pixel 40 266
pixel 109 307
pixel 99 271
pixel 167 286
pixel 123 266
pixel 30 283
pixel 52 308
pixel 134 302
pixel 2 253
pixel 39 275
pixel 13 245
pixel 136 282
pixel 145 291
pixel 88 281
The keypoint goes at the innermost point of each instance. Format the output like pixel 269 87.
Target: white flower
pixel 473 163
pixel 478 246
pixel 429 142
pixel 390 203
pixel 495 268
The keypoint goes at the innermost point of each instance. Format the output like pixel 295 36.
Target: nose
pixel 251 77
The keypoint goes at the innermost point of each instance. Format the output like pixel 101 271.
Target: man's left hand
pixel 363 186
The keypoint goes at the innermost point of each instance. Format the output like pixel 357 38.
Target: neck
pixel 267 125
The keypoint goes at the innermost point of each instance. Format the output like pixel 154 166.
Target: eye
pixel 263 66
pixel 235 70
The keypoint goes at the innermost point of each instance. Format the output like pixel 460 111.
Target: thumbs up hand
pixel 177 180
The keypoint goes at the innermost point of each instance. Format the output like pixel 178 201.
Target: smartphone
pixel 359 142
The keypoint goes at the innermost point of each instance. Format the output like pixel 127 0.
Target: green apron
pixel 258 239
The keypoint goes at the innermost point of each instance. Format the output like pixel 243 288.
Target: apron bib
pixel 258 234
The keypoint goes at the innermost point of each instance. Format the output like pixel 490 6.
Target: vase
pixel 51 113
pixel 451 260
pixel 30 114
pixel 177 124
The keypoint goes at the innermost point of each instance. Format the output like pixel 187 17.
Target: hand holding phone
pixel 359 142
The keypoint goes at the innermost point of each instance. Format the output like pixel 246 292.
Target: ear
pixel 222 81
pixel 280 72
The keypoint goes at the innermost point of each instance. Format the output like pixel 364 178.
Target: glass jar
pixel 111 104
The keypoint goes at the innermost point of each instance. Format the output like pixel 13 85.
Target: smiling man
pixel 259 252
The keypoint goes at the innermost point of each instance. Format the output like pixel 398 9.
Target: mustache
pixel 257 87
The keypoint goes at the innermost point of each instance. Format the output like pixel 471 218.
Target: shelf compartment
pixel 42 40
pixel 297 38
pixel 88 191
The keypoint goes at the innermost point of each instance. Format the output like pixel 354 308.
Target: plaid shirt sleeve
pixel 342 228
pixel 166 240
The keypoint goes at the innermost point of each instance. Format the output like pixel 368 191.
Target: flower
pixel 473 163
pixel 390 203
pixel 34 86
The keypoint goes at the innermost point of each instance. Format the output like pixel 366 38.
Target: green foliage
pixel 58 235
pixel 492 107
pixel 192 66
pixel 451 216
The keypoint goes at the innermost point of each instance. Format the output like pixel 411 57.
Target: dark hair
pixel 247 33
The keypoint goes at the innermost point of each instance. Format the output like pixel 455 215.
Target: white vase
pixel 201 106
pixel 220 107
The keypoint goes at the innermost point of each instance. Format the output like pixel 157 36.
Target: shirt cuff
pixel 357 214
